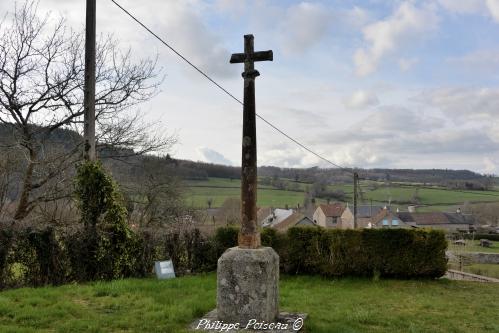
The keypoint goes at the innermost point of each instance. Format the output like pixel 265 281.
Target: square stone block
pixel 248 285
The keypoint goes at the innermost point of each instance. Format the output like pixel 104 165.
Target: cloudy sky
pixel 373 83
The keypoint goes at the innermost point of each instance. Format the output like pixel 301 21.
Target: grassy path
pixel 347 305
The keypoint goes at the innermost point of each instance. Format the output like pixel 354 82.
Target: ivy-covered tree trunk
pixel 103 214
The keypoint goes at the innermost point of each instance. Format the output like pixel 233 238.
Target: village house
pixel 365 213
pixel 435 220
pixel 388 219
pixel 438 220
pixel 282 219
pixel 329 216
pixel 269 217
pixel 262 215
pixel 294 220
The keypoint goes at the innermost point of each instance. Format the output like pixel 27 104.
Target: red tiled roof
pixel 332 210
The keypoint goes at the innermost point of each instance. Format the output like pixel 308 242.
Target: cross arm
pixel 237 58
pixel 263 56
pixel 256 56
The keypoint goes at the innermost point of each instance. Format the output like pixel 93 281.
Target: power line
pixel 228 93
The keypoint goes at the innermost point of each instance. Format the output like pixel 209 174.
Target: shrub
pixel 225 237
pixel 109 241
pixel 201 252
pixel 6 238
pixel 399 253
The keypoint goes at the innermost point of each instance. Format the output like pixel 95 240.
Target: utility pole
pixel 89 91
pixel 371 209
pixel 249 236
pixel 355 191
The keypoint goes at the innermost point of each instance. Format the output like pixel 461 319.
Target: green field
pixel 474 246
pixel 490 270
pixel 198 197
pixel 198 192
pixel 434 198
pixel 346 305
pixel 218 182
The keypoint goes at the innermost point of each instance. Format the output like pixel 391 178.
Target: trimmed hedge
pixel 35 257
pixel 398 253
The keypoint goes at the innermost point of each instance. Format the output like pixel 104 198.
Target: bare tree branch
pixel 41 98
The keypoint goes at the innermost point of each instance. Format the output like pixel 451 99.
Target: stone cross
pixel 249 236
pixel 248 274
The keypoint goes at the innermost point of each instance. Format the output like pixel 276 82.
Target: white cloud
pixel 484 62
pixel 361 99
pixel 406 64
pixel 482 7
pixel 493 6
pixel 212 156
pixel 356 154
pixel 180 22
pixel 355 17
pixel 489 165
pixel 346 155
pixel 464 103
pixel 394 120
pixel 463 6
pixel 386 36
pixel 231 6
pixel 396 136
pixel 287 155
pixel 305 24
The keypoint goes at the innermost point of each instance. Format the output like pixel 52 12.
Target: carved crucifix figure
pixel 249 236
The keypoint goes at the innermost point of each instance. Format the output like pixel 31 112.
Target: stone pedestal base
pixel 248 285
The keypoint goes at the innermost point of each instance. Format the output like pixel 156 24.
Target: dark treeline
pixel 456 179
pixel 185 169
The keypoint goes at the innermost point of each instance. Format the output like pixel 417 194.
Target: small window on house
pixel 395 222
pixel 385 223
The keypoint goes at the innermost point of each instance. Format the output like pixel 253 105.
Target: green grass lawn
pixel 347 305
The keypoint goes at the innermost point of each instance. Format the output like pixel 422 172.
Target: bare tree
pixel 41 98
pixel 230 212
pixel 7 167
pixel 155 194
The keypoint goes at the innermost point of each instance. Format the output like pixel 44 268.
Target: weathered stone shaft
pixel 249 236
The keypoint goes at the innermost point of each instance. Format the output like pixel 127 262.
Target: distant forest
pixel 459 179
pixel 190 170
